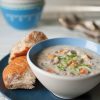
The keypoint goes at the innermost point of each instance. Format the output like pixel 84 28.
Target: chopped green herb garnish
pixel 84 65
pixel 61 67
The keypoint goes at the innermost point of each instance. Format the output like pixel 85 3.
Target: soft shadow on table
pixel 39 92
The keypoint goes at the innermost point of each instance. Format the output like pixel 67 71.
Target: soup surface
pixel 68 60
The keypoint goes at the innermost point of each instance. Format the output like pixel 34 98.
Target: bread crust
pixel 21 47
pixel 17 74
pixel 15 70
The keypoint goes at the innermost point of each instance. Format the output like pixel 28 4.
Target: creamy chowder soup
pixel 68 60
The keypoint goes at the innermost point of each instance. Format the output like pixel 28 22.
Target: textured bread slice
pixel 18 75
pixel 22 46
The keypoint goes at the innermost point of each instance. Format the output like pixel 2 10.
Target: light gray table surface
pixel 9 35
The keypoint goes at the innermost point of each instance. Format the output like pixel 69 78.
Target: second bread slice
pixel 18 75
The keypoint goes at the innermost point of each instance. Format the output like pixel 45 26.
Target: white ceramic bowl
pixel 61 86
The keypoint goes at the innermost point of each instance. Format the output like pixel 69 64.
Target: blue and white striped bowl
pixel 22 16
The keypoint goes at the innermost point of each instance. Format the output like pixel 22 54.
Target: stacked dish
pixel 23 14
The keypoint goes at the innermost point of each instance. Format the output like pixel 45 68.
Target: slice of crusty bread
pixel 21 47
pixel 18 75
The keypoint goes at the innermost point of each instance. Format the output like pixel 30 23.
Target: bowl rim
pixel 21 6
pixel 60 76
pixel 21 1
